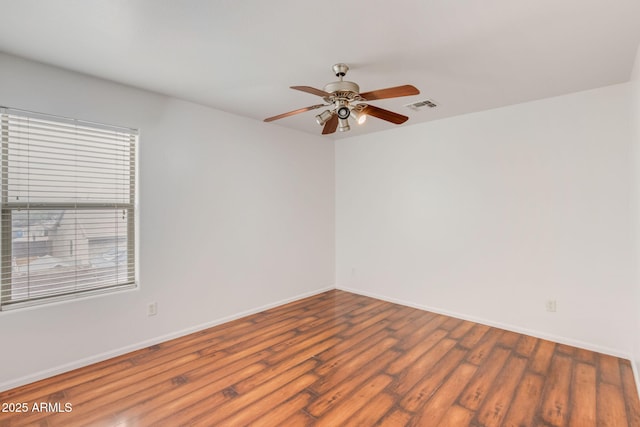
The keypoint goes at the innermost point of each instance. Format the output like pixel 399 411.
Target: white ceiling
pixel 241 56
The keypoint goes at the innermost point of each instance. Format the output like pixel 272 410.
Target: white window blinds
pixel 68 208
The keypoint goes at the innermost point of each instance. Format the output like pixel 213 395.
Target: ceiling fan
pixel 344 100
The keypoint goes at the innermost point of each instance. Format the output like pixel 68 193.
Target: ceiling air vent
pixel 421 105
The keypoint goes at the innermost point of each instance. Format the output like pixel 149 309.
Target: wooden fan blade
pixel 312 90
pixel 331 125
pixel 294 112
pixel 391 92
pixel 383 114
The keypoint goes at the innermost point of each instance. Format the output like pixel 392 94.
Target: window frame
pixel 7 208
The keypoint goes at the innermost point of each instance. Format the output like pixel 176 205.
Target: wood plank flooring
pixel 340 359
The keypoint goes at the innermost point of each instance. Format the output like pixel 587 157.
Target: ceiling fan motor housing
pixel 340 87
pixel 342 94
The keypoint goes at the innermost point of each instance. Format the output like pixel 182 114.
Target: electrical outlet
pixel 152 309
pixel 551 305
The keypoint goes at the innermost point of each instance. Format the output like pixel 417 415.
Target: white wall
pixel 488 215
pixel 635 122
pixel 235 215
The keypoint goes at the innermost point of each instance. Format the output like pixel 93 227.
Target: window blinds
pixel 68 208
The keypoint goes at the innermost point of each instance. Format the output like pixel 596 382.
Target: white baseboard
pixel 7 385
pixel 508 327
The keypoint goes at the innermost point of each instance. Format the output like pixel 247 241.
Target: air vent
pixel 421 105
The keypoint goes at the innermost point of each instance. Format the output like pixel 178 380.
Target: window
pixel 67 225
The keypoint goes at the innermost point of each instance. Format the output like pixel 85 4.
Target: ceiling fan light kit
pixel 343 111
pixel 323 117
pixel 344 100
pixel 344 125
pixel 359 115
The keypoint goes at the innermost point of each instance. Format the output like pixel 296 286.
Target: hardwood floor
pixel 339 359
